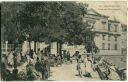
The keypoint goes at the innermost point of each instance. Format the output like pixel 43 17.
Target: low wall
pixel 73 48
pixel 109 52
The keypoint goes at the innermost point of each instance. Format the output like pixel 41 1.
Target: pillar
pixel 6 47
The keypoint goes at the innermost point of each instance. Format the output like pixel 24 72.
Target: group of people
pixel 36 65
pixel 84 64
pixel 87 65
pixel 27 66
pixel 31 65
pixel 63 58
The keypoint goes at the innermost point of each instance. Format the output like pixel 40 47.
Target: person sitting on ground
pixel 113 73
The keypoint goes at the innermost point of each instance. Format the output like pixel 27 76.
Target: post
pixel 6 47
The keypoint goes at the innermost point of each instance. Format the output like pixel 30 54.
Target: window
pixel 109 25
pixel 52 46
pixel 115 46
pixel 3 50
pixel 115 38
pixel 109 37
pixel 8 49
pixel 103 22
pixel 108 46
pixel 103 37
pixel 103 46
pixel 124 29
pixel 3 45
pixel 115 29
pixel 9 46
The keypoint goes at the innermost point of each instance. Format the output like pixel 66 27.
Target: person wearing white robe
pixel 28 58
pixel 34 57
pixel 10 58
pixel 89 66
pixel 18 58
pixel 113 74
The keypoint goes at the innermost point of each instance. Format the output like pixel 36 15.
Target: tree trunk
pixel 59 48
pixel 29 45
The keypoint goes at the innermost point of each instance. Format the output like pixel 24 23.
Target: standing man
pixel 15 74
pixel 15 59
pixel 58 59
pixel 79 66
pixel 76 55
pixel 31 54
pixel 39 54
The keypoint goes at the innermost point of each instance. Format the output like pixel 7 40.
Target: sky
pixel 113 9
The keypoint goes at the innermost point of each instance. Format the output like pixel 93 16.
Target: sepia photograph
pixel 63 41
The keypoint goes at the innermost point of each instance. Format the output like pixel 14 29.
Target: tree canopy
pixel 45 21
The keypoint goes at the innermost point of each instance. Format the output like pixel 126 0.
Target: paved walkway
pixel 69 72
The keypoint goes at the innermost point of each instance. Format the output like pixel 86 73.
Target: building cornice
pixel 107 33
pixel 113 21
pixel 99 15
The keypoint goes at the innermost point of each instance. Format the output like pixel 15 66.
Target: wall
pixel 25 46
pixel 54 48
pixel 73 48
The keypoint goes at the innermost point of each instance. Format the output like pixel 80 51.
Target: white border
pixel 76 0
pixel 59 0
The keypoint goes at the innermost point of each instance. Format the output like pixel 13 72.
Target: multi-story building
pixel 108 33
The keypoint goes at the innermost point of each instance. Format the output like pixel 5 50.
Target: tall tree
pixel 48 21
pixel 9 12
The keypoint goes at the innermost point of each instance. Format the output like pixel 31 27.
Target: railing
pixel 6 48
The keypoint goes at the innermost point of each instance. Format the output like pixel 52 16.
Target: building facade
pixel 108 33
pixel 108 38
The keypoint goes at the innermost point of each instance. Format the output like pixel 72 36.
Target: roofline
pixel 113 21
pixel 99 15
pixel 106 33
